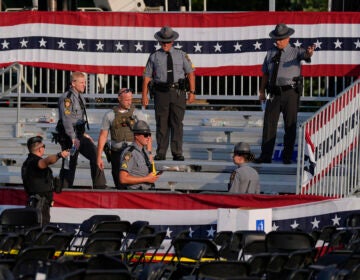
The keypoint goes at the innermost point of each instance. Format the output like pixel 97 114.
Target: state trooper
pixel 166 71
pixel 119 121
pixel 244 179
pixel 136 168
pixel 71 134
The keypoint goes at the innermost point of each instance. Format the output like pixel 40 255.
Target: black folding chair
pixel 222 270
pixel 87 226
pixel 19 219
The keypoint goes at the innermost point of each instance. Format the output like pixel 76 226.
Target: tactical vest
pixel 36 185
pixel 121 127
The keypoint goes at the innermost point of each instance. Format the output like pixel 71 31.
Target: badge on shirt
pixel 67 105
pixel 126 159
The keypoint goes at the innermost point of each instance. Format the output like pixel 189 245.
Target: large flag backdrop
pixel 217 43
pixel 198 213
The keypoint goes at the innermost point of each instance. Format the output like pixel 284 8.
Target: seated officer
pixel 136 169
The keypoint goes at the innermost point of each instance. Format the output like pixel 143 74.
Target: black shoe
pixel 262 160
pixel 159 157
pixel 178 158
pixel 287 161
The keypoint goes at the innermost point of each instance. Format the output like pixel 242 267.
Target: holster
pixel 37 201
pixel 79 128
pixel 107 151
pixel 298 84
pixel 59 136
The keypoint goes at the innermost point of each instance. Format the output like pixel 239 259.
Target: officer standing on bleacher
pixel 167 69
pixel 71 134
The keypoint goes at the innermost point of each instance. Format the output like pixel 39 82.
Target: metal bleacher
pixel 209 137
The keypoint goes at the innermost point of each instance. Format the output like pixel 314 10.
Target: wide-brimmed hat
pixel 281 31
pixel 166 34
pixel 243 149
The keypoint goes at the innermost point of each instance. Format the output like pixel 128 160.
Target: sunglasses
pixel 43 146
pixel 164 43
pixel 126 90
pixel 146 135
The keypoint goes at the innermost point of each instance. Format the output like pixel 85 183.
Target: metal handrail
pixel 17 87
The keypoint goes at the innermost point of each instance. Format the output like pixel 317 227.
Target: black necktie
pixel 276 61
pixel 82 105
pixel 170 73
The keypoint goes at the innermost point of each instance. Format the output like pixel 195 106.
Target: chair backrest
pixel 60 240
pixel 10 241
pixel 192 250
pixel 222 270
pixel 88 224
pixel 223 238
pixel 211 250
pixel 19 219
pixel 252 242
pixel 353 220
pixel 288 241
pixel 102 246
pixel 122 226
pixel 36 252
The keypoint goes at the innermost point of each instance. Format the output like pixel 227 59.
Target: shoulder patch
pixel 188 59
pixel 67 105
pixel 127 156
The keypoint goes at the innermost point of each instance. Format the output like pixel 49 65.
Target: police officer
pixel 244 179
pixel 71 127
pixel 37 176
pixel 281 76
pixel 168 68
pixel 119 121
pixel 136 169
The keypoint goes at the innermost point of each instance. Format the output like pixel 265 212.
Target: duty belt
pixel 277 90
pixel 165 86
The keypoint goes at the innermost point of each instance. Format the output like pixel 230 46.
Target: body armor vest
pixel 121 127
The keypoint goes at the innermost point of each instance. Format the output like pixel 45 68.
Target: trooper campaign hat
pixel 141 127
pixel 166 34
pixel 281 31
pixel 243 149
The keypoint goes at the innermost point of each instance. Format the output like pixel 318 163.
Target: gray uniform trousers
pixel 286 103
pixel 88 150
pixel 169 115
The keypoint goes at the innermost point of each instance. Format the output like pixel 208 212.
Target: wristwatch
pixel 192 91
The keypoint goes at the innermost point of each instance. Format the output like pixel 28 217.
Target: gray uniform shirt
pixel 289 66
pixel 109 118
pixel 133 162
pixel 70 110
pixel 156 66
pixel 244 179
